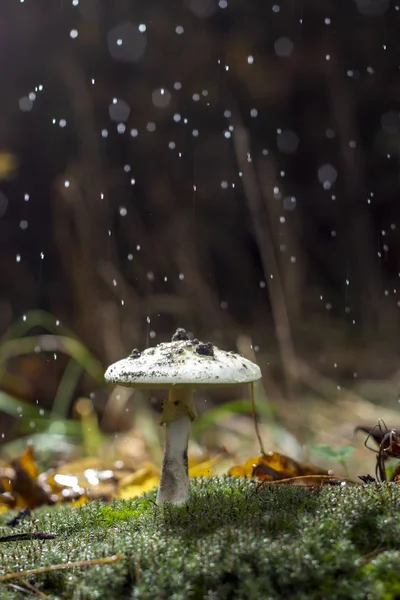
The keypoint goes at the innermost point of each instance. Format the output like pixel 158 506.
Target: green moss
pixel 230 541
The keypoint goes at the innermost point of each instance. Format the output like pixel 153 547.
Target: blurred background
pixel 225 166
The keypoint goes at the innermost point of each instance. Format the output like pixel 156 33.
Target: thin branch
pixel 35 590
pixel 29 535
pixel 267 254
pixel 61 567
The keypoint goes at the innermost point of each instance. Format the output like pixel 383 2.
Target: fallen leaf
pixel 273 466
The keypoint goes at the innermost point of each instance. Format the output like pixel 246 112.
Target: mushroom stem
pixel 180 402
pixel 177 414
pixel 174 481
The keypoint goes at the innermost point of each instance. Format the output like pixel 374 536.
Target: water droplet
pixel 161 98
pixel 126 43
pixel 119 110
pixel 283 47
pixel 327 175
pixel 25 104
pixel 287 141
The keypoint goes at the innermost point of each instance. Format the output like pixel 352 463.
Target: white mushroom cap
pixel 182 362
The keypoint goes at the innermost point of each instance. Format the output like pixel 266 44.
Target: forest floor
pixel 232 540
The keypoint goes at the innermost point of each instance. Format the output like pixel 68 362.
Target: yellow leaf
pixel 134 490
pixel 206 468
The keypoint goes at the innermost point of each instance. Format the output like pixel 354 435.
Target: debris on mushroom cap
pixel 182 362
pixel 180 335
pixel 205 349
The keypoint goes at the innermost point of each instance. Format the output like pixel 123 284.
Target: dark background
pixel 239 176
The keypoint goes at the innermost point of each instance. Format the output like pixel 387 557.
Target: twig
pixel 367 557
pixel 255 420
pixel 29 535
pixel 35 590
pixel 267 254
pixel 60 567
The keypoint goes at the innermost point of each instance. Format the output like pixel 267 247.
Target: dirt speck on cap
pixel 180 335
pixel 135 353
pixel 205 349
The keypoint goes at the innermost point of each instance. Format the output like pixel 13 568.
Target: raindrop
pixel 179 29
pixel 283 47
pixel 289 203
pixel 23 224
pixel 126 43
pixel 73 33
pixel 161 97
pixel 26 197
pixel 177 85
pixel 253 112
pixel 134 132
pixel 250 59
pixel 327 175
pixel 287 141
pixel 224 185
pixel 202 8
pixel 123 211
pixel 25 104
pixel 372 8
pixel 223 4
pixel 151 126
pixel 121 128
pixel 119 110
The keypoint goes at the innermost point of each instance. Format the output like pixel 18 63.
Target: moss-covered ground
pixel 230 541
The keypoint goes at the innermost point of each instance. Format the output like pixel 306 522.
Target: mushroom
pixel 180 366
